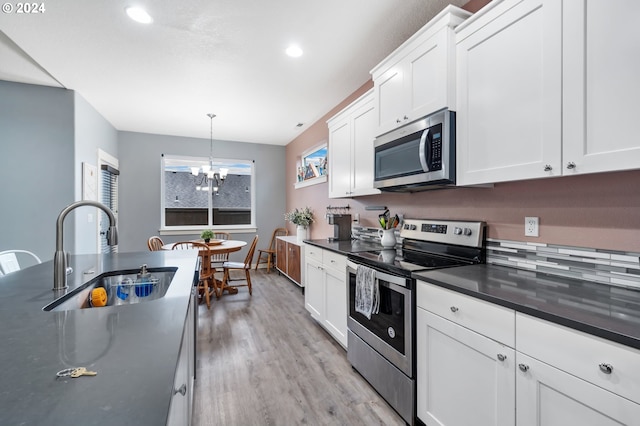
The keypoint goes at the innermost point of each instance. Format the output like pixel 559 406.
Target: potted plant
pixel 302 218
pixel 206 235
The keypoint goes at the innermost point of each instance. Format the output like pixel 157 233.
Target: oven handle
pixel 395 280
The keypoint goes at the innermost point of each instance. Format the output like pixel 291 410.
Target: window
pixel 108 197
pixel 193 201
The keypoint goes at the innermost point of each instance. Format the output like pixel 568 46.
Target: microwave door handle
pixel 425 150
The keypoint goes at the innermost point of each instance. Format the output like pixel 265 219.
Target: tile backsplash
pixel 616 268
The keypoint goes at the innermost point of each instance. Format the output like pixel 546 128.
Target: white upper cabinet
pixel 509 67
pixel 546 88
pixel 417 79
pixel 351 135
pixel 601 55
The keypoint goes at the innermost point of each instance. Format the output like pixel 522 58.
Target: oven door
pixel 388 332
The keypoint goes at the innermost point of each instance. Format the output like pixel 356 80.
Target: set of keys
pixel 75 372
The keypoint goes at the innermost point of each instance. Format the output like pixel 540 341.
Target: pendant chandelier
pixel 210 177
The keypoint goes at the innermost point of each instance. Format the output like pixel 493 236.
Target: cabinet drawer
pixel 313 252
pixel 493 321
pixel 581 354
pixel 334 260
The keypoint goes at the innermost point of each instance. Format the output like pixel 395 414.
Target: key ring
pixel 65 373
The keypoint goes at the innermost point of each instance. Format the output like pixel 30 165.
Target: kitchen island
pixel 135 349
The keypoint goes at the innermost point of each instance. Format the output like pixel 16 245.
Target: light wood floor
pixel 262 360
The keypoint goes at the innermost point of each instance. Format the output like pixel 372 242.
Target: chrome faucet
pixel 60 261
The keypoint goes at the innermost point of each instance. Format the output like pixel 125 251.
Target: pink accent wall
pixel 597 210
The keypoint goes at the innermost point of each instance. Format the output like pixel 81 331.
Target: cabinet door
pixel 179 409
pixel 547 396
pixel 600 73
pixel 293 262
pixel 390 97
pixel 340 159
pixel 428 78
pixel 281 255
pixel 335 320
pixel 509 72
pixel 363 162
pixel 463 378
pixel 314 289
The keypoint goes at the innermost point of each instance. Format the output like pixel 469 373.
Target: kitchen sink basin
pixel 121 288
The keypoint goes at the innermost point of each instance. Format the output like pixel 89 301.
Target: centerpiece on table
pixel 206 235
pixel 302 218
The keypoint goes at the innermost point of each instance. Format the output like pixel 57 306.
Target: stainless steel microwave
pixel 418 156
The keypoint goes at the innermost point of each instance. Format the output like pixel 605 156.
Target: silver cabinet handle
pixel 571 165
pixel 501 357
pixel 606 368
pixel 523 367
pixel 182 390
pixel 453 309
pixel 547 168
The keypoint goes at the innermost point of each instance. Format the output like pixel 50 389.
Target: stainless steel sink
pixel 122 288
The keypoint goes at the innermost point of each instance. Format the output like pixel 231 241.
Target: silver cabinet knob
pixel 398 120
pixel 405 117
pixel 571 165
pixel 182 390
pixel 606 368
pixel 502 357
pixel 523 367
pixel 547 168
pixel 453 309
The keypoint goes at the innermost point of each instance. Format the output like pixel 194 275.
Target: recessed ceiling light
pixel 294 51
pixel 139 15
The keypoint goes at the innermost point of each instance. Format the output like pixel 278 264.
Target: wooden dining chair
pixel 207 279
pixel 268 255
pixel 155 243
pixel 217 259
pixel 246 266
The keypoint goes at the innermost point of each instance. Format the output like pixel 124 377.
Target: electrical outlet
pixel 531 226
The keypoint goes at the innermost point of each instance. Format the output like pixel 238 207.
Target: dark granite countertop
pixel 606 311
pixel 134 348
pixel 345 247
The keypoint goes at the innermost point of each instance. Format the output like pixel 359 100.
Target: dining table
pixel 217 247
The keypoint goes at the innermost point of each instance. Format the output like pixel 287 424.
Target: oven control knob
pixel 457 231
pixel 467 231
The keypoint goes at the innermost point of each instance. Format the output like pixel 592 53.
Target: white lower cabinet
pixel 553 376
pixel 325 294
pixel 180 411
pixel 547 396
pixel 464 378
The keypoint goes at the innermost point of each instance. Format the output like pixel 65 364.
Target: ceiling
pixel 221 56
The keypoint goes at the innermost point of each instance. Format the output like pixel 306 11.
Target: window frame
pixel 196 229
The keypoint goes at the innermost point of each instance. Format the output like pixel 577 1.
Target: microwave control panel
pixel 435 143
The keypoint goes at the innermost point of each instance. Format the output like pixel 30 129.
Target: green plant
pixel 301 217
pixel 207 234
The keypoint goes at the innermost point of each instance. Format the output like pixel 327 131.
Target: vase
pixel 387 237
pixel 302 233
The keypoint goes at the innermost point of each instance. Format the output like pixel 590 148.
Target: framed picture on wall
pixel 312 167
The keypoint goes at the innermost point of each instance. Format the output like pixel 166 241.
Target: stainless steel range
pixel 382 347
